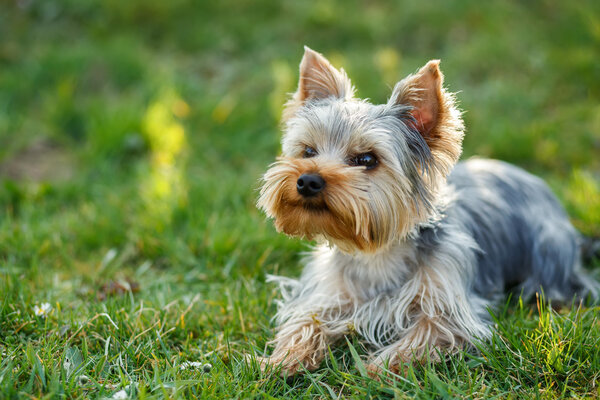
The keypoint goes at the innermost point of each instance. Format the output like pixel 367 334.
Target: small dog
pixel 413 248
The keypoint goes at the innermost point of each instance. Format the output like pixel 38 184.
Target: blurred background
pixel 133 133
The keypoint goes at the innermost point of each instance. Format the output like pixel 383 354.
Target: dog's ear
pixel 434 113
pixel 318 80
pixel 422 91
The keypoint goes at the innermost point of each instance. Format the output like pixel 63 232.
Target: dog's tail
pixel 590 249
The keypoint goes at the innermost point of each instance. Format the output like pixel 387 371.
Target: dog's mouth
pixel 315 207
pixel 311 205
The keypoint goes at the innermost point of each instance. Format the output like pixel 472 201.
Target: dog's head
pixel 356 174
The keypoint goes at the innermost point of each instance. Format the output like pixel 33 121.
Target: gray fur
pixel 526 240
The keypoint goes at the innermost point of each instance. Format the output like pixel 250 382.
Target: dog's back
pixel 526 239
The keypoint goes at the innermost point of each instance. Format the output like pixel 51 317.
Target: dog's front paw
pixel 377 369
pixel 287 366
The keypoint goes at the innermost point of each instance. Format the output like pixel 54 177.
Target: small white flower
pixel 190 365
pixel 42 310
pixel 120 395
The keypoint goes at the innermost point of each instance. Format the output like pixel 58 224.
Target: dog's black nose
pixel 310 184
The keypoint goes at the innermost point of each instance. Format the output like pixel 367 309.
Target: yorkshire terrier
pixel 413 248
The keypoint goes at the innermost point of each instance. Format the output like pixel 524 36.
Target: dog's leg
pixel 556 264
pixel 424 340
pixel 441 317
pixel 302 341
pixel 299 343
pixel 314 314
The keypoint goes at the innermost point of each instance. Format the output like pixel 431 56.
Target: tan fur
pixel 340 214
pixel 328 214
pixel 303 347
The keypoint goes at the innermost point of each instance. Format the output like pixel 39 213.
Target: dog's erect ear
pixel 423 91
pixel 318 80
pixel 434 113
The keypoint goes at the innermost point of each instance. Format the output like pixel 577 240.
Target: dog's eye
pixel 366 159
pixel 309 152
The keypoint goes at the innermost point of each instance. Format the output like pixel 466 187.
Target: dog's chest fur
pixel 368 276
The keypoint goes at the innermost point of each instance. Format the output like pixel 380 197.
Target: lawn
pixel 132 138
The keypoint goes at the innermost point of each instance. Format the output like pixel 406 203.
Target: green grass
pixel 132 136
